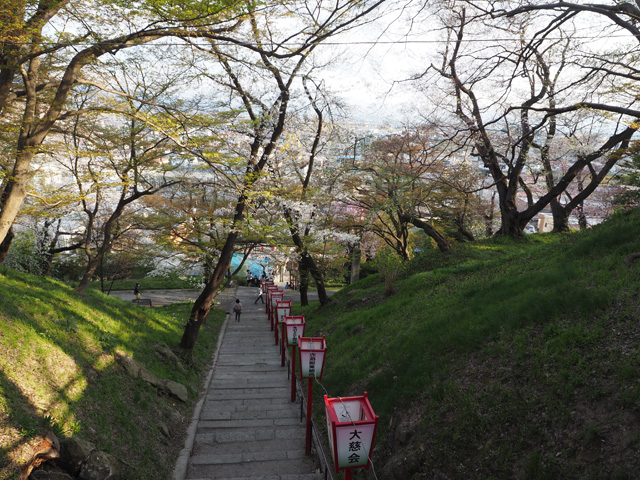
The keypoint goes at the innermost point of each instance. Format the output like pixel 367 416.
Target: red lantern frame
pixel 352 426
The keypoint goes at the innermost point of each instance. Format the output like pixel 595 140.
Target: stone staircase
pixel 248 428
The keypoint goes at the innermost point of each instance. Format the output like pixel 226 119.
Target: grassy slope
pixel 57 371
pixel 503 360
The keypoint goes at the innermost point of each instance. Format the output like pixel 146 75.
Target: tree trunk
pixel 89 271
pixel 304 285
pixel 560 217
pixel 582 218
pixel 511 226
pixel 488 218
pixel 15 191
pixel 459 221
pixel 443 243
pixel 6 244
pixel 308 263
pixel 202 305
pixel 511 223
pixel 356 255
pixel 107 242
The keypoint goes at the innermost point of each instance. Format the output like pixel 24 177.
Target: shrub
pixel 390 266
pixel 25 254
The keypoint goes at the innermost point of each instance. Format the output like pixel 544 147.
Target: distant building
pixel 545 223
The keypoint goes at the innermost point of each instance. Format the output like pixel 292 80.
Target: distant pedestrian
pixel 237 308
pixel 260 293
pixel 136 291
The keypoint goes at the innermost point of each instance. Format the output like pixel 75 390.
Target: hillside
pixel 502 360
pixel 58 372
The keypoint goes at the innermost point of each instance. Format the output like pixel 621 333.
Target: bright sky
pixel 390 50
pixel 369 61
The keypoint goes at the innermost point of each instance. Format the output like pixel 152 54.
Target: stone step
pixel 257 372
pixel 248 435
pixel 219 403
pixel 308 476
pixel 255 413
pixel 260 379
pixel 294 446
pixel 246 360
pixel 247 393
pixel 259 469
pixel 248 429
pixel 249 423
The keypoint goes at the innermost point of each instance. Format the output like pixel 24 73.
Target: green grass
pixel 499 360
pixel 57 372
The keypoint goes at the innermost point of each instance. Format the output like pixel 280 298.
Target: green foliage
pixel 25 254
pixel 389 264
pixel 58 371
pixel 498 351
pixel 629 180
pixel 68 267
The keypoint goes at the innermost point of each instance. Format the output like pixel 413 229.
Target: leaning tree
pixel 46 45
pixel 511 101
pixel 257 68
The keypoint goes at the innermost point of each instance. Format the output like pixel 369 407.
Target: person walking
pixel 260 293
pixel 136 291
pixel 237 308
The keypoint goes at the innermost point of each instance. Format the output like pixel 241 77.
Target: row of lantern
pixel 351 422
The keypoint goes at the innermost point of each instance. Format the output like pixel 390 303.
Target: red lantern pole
pixel 307 450
pixel 312 354
pixel 271 314
pixel 293 374
pixel 265 290
pixel 347 474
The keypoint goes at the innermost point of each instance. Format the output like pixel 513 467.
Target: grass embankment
pixel 57 372
pixel 501 360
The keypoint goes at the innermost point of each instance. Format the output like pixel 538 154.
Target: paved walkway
pixel 164 297
pixel 246 427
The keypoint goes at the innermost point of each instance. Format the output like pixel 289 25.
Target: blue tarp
pixel 254 267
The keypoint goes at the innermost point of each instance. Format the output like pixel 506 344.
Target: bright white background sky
pixel 391 49
pixel 369 60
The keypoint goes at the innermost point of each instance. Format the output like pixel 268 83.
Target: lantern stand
pixel 293 373
pixel 266 288
pixel 276 296
pixel 270 290
pixel 352 425
pixel 312 354
pixel 282 343
pixel 295 328
pixel 283 307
